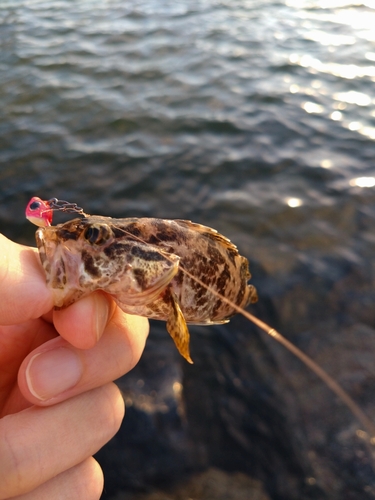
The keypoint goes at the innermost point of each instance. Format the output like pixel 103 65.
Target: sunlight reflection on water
pixel 256 118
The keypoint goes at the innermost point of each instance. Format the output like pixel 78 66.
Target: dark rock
pixel 249 406
pixel 213 484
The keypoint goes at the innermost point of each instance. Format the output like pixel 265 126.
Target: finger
pixel 16 342
pixel 23 290
pixel 37 444
pixel 57 370
pixel 83 323
pixel 82 482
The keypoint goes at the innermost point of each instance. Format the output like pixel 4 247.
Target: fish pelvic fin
pixel 177 328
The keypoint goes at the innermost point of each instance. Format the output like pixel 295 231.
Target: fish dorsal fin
pixel 177 327
pixel 209 232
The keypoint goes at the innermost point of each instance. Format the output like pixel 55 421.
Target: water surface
pixel 256 118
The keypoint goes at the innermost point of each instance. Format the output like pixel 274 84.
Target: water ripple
pixel 219 93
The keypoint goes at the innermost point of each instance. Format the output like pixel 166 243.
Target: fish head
pixel 84 255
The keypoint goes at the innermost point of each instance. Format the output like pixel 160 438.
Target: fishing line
pixel 368 437
pixel 368 425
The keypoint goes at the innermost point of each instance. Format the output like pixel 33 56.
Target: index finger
pixel 23 290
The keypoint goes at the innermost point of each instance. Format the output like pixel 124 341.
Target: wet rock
pixel 151 446
pixel 249 406
pixel 213 484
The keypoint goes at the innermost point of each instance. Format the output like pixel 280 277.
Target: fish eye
pixel 97 234
pixel 34 205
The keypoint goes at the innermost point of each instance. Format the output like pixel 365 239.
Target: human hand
pixel 58 405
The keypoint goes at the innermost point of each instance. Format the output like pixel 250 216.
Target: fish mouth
pixel 43 253
pixel 55 259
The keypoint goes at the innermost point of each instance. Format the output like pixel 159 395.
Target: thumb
pixel 23 290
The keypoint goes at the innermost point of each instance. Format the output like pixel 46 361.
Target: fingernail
pixel 101 314
pixel 52 372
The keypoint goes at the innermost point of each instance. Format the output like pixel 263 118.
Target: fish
pixel 177 271
pixel 158 268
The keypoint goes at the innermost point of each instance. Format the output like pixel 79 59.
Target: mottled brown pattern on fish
pixel 141 263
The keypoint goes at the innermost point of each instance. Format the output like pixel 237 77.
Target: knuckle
pixel 113 410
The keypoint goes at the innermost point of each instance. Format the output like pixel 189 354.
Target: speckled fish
pixel 172 270
pixel 141 263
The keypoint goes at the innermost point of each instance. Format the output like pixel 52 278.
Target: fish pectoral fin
pixel 177 328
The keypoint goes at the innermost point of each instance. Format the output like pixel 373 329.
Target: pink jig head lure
pixel 40 212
